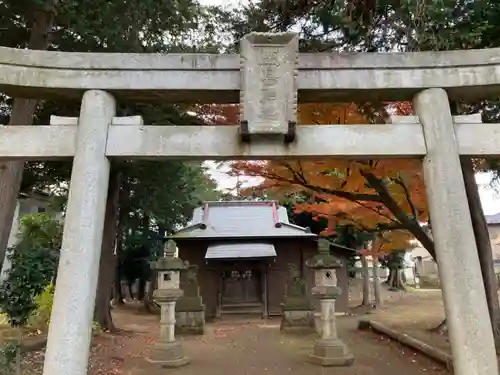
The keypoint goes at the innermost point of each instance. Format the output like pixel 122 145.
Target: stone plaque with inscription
pixel 269 84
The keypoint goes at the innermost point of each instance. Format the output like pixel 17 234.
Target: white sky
pixel 490 197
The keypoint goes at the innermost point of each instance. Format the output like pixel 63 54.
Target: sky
pixel 490 195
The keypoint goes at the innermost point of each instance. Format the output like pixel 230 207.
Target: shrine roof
pixel 241 219
pixel 240 250
pixel 493 219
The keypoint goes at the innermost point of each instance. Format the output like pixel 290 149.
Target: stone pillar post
pixel 467 314
pixel 71 320
pixel 167 352
pixel 167 321
pixel 329 350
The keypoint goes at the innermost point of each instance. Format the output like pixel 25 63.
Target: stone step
pixel 243 308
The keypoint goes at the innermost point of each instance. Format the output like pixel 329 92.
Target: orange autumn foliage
pixel 395 240
pixel 387 242
pixel 369 194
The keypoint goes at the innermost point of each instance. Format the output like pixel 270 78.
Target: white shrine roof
pixel 240 250
pixel 241 219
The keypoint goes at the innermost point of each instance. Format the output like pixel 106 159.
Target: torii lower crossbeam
pixel 223 142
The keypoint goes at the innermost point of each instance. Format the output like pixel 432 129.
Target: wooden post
pixel 264 291
pixel 219 297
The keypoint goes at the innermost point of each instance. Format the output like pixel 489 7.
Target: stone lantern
pixel 167 352
pixel 328 350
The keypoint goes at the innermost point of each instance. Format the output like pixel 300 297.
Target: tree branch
pixel 383 196
pixel 353 197
pixel 412 225
pixel 401 183
pixel 385 227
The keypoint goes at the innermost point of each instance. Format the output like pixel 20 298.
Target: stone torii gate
pixel 267 79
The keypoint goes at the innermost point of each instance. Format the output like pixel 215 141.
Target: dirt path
pixel 416 314
pixel 258 347
pixel 245 348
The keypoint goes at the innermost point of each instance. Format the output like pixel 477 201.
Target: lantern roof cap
pixel 169 262
pixel 324 259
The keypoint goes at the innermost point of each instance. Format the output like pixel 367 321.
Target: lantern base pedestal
pixel 330 352
pixel 297 321
pixel 168 354
pixel 190 322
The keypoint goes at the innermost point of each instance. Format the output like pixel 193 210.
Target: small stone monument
pixel 189 309
pixel 167 352
pixel 328 350
pixel 298 311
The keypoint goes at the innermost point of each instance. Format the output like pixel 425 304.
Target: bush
pixel 40 318
pixel 40 231
pixel 33 266
pixel 26 293
pixel 8 358
pixel 31 271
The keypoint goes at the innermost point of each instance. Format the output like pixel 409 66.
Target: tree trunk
pixel 148 297
pixel 376 283
pixel 151 284
pixel 102 312
pixel 11 172
pixel 376 245
pixel 141 289
pixel 141 284
pixel 411 224
pixel 130 290
pixel 396 280
pixel 162 231
pixel 149 304
pixel 123 211
pixel 389 277
pixel 483 247
pixel 118 298
pixel 366 281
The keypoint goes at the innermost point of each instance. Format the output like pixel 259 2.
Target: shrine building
pixel 243 250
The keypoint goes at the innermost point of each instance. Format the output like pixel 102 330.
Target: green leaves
pixel 8 357
pixel 33 266
pixel 40 231
pixel 156 194
pixel 32 270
